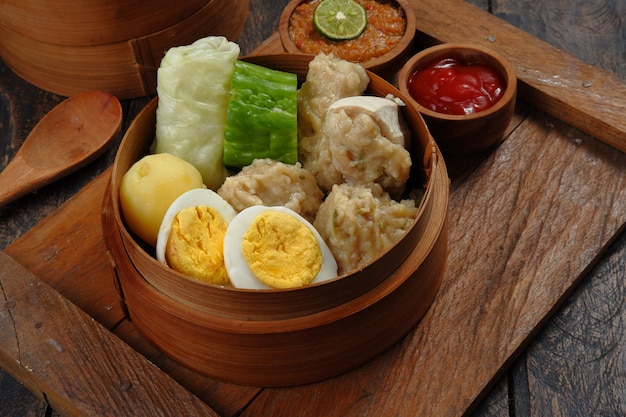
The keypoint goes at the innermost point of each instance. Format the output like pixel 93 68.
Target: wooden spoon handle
pixel 17 180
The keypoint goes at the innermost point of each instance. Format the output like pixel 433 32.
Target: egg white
pixel 192 198
pixel 241 276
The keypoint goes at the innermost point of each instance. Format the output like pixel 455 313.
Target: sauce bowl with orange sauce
pixel 382 48
pixel 466 94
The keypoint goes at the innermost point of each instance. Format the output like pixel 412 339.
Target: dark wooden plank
pixel 496 404
pixel 78 366
pixel 18 400
pixel 576 367
pixel 591 30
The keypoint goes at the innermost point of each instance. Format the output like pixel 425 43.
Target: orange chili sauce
pixel 386 25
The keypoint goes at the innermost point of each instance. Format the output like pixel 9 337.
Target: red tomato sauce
pixel 452 86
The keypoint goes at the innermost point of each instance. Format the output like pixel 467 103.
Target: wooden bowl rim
pixel 427 55
pixel 372 64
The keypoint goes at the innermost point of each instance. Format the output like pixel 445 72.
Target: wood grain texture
pixel 82 370
pixel 225 399
pixel 568 384
pixel 21 107
pixel 69 229
pixel 69 137
pixel 125 68
pixel 76 227
pixel 591 30
pixel 92 23
pixel 595 320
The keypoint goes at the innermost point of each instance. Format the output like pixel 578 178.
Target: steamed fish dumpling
pixel 360 222
pixel 273 183
pixel 192 84
pixel 367 141
pixel 328 80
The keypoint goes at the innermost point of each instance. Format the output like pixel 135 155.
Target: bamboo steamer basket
pixel 67 47
pixel 284 337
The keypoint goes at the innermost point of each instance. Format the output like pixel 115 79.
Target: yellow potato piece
pixel 150 186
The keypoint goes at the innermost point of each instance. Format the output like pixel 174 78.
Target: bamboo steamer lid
pixel 92 22
pixel 106 45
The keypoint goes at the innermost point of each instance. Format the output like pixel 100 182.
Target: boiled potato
pixel 150 186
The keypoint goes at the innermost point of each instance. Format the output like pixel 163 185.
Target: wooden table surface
pixel 576 365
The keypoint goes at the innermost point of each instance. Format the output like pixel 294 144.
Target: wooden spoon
pixel 71 135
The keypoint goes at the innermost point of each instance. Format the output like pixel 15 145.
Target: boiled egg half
pixel 191 236
pixel 275 248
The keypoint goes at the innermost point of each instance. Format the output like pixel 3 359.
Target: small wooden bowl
pixel 459 135
pixel 284 337
pixel 385 64
pixel 69 46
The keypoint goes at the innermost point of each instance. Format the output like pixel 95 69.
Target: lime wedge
pixel 340 19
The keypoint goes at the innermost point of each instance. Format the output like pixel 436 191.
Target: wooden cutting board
pixel 526 223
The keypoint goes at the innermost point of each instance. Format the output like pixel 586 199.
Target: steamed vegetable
pixel 262 117
pixel 192 84
pixel 149 187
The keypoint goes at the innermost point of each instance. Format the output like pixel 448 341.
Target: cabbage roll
pixel 192 84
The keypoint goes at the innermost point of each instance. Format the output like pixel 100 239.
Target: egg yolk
pixel 195 246
pixel 281 251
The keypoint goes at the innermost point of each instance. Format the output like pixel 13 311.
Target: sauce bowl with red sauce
pixel 466 94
